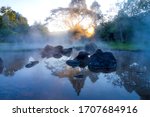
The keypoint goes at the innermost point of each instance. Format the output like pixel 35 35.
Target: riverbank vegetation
pixel 128 28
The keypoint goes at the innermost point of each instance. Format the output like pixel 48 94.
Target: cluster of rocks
pixel 97 62
pixel 90 56
pixel 56 52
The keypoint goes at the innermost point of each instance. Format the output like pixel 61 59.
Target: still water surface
pixel 52 79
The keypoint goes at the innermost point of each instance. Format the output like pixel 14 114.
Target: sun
pixel 90 32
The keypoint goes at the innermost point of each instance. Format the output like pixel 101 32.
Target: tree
pixel 77 18
pixel 95 7
pixel 38 31
pixel 78 4
pixel 135 7
pixel 120 29
pixel 12 23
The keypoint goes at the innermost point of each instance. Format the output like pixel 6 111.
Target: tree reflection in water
pixel 13 62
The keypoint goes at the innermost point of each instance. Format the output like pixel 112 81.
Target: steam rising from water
pixel 141 28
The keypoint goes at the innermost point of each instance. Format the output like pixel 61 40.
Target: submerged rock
pixel 102 62
pixel 31 64
pixel 1 66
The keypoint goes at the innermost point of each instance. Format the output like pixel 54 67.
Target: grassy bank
pixel 126 46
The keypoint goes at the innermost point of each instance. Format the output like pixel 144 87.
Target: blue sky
pixel 38 10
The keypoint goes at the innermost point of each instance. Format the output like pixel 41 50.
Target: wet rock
pixel 1 66
pixel 58 49
pixel 57 55
pixel 31 64
pixel 56 52
pixel 73 63
pixel 67 52
pixel 102 62
pixel 80 61
pixel 91 48
pixel 98 62
pixel 82 58
pixel 47 51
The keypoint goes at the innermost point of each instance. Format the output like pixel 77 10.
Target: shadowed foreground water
pixel 53 79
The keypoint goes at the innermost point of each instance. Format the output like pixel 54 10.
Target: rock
pixel 50 51
pixel 58 49
pixel 73 63
pixel 102 62
pixel 56 52
pixel 31 64
pixel 80 61
pixel 47 51
pixel 57 55
pixel 90 48
pixel 82 58
pixel 67 52
pixel 1 66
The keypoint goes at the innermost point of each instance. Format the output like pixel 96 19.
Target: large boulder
pixel 102 62
pixel 83 58
pixel 1 65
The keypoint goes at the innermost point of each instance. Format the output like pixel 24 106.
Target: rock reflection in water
pixel 76 76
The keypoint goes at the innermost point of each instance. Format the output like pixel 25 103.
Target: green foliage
pixel 11 24
pixel 120 29
pixel 132 17
pixel 123 46
pixel 135 7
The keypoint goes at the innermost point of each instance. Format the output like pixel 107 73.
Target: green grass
pixel 123 46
